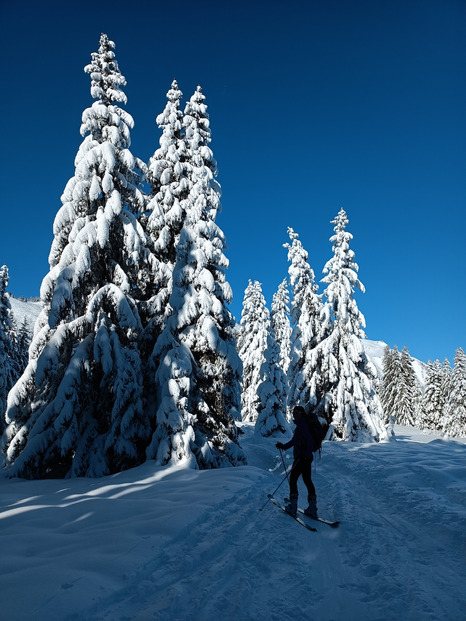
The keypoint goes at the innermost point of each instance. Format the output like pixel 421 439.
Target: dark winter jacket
pixel 302 442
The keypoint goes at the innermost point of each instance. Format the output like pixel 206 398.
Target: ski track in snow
pixel 219 574
pixel 380 565
pixel 402 549
pixel 399 553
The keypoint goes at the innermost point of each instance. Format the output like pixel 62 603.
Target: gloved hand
pixel 279 445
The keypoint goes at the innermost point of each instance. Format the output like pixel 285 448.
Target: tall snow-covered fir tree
pixel 271 391
pixel 166 207
pixel 432 406
pixel 198 371
pixel 252 343
pixel 165 212
pixel 7 369
pixel 279 315
pixel 304 378
pixel 352 406
pixel 455 418
pixel 77 410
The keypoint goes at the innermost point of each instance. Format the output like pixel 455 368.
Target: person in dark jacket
pixel 303 448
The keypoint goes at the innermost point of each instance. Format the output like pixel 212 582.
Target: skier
pixel 303 448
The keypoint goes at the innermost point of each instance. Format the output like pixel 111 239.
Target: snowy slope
pixel 172 544
pixel 25 310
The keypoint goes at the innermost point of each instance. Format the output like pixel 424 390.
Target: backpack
pixel 317 430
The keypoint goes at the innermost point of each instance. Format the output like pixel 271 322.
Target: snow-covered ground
pixel 173 544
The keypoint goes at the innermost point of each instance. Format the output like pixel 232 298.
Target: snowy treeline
pixel 315 342
pixel 133 355
pixel 441 406
pixel 14 343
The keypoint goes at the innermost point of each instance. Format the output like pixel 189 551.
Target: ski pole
pixel 275 490
pixel 281 483
pixel 283 462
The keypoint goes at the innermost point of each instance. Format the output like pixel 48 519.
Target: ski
pixel 295 517
pixel 318 519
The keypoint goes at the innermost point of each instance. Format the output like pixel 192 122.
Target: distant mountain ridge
pixel 375 350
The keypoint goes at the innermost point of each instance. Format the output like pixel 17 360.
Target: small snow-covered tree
pixel 252 343
pixel 271 391
pixel 432 407
pixel 352 406
pixel 455 419
pixel 198 375
pixel 77 410
pixel 304 378
pixel 279 315
pixel 7 371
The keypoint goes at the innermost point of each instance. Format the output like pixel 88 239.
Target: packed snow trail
pixel 246 565
pixel 174 544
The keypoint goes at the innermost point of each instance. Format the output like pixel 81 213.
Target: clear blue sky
pixel 314 106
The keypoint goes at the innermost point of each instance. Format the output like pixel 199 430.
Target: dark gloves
pixel 279 445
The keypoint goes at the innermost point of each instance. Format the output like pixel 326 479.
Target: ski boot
pixel 311 509
pixel 292 506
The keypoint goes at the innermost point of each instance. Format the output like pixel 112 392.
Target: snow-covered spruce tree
pixel 432 407
pixel 405 408
pixel 353 407
pixel 16 353
pixel 305 385
pixel 272 391
pixel 252 343
pixel 446 384
pixel 390 383
pixel 7 370
pixel 22 342
pixel 400 391
pixel 77 409
pixel 279 315
pixel 198 374
pixel 455 419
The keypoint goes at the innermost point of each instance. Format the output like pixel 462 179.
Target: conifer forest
pixel 135 354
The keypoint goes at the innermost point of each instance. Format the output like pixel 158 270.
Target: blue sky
pixel 314 106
